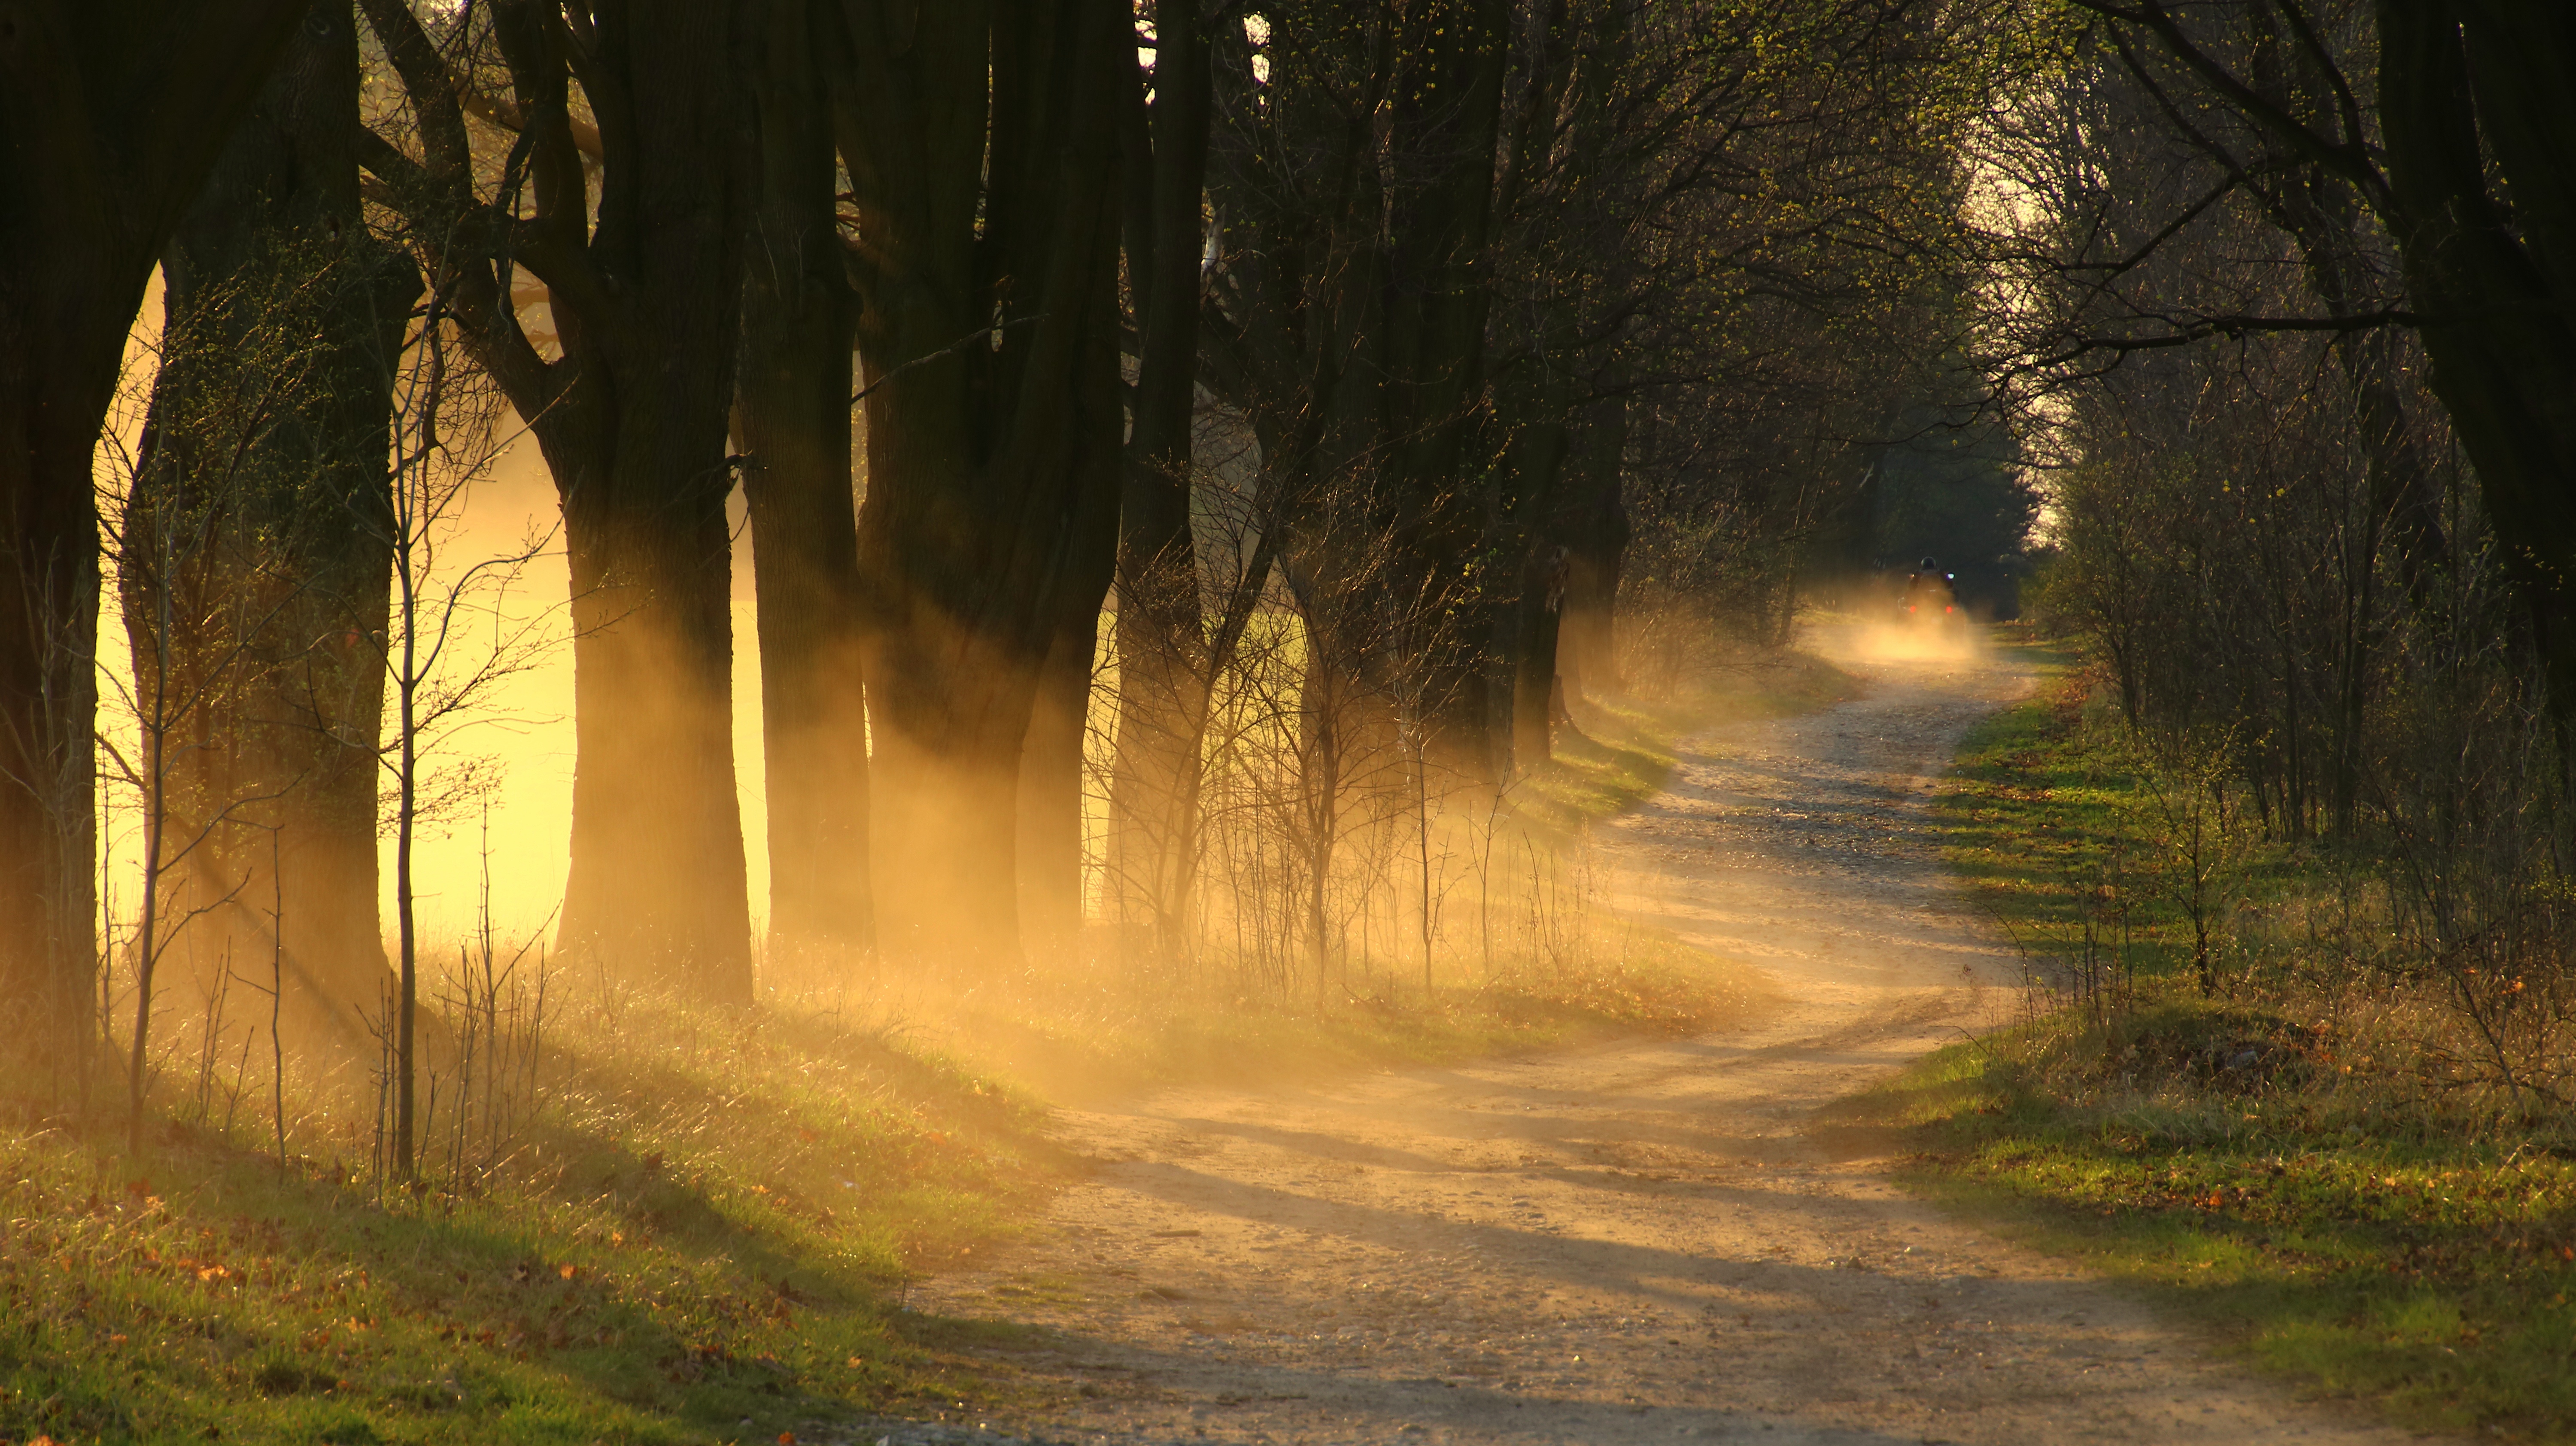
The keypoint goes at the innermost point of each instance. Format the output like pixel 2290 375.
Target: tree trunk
pixel 632 422
pixel 273 509
pixel 657 885
pixel 1447 115
pixel 1050 802
pixel 1596 539
pixel 91 184
pixel 1523 652
pixel 657 882
pixel 989 339
pixel 2496 290
pixel 793 414
pixel 1162 668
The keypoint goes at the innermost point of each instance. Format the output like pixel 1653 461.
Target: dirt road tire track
pixel 1630 1244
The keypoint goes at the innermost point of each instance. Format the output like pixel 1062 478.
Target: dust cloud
pixel 1855 640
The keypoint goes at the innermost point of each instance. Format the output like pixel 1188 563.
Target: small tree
pixel 452 638
pixel 209 582
pixel 2195 815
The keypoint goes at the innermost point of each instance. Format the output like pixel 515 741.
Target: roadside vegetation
pixel 2324 1157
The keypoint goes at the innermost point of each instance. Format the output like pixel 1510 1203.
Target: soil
pixel 1640 1242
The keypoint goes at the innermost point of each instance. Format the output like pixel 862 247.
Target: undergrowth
pixel 704 1232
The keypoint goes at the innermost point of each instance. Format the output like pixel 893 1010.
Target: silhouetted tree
pixel 641 264
pixel 110 115
pixel 980 141
pixel 792 412
pixel 285 582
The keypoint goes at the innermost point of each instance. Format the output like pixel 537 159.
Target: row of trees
pixel 2292 280
pixel 1486 292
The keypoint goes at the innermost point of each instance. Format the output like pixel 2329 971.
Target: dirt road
pixel 1629 1244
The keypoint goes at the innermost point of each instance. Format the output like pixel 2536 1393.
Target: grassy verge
pixel 2250 1165
pixel 704 1235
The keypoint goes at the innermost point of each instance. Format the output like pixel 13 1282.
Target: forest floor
pixel 1642 1241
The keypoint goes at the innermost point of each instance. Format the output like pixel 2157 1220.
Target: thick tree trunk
pixel 1162 668
pixel 989 338
pixel 632 422
pixel 264 517
pixel 57 372
pixel 2497 293
pixel 92 181
pixel 1522 654
pixel 657 885
pixel 1050 802
pixel 1596 540
pixel 1448 113
pixel 793 413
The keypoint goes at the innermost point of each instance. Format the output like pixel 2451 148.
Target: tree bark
pixel 1524 611
pixel 109 120
pixel 980 143
pixel 1448 115
pixel 1050 804
pixel 793 414
pixel 274 508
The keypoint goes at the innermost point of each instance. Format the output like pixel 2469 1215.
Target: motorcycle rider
pixel 1930 593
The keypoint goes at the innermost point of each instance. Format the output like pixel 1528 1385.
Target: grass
pixel 705 1236
pixel 2252 1166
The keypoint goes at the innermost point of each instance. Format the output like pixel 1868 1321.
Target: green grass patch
pixel 712 1223
pixel 2222 1156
